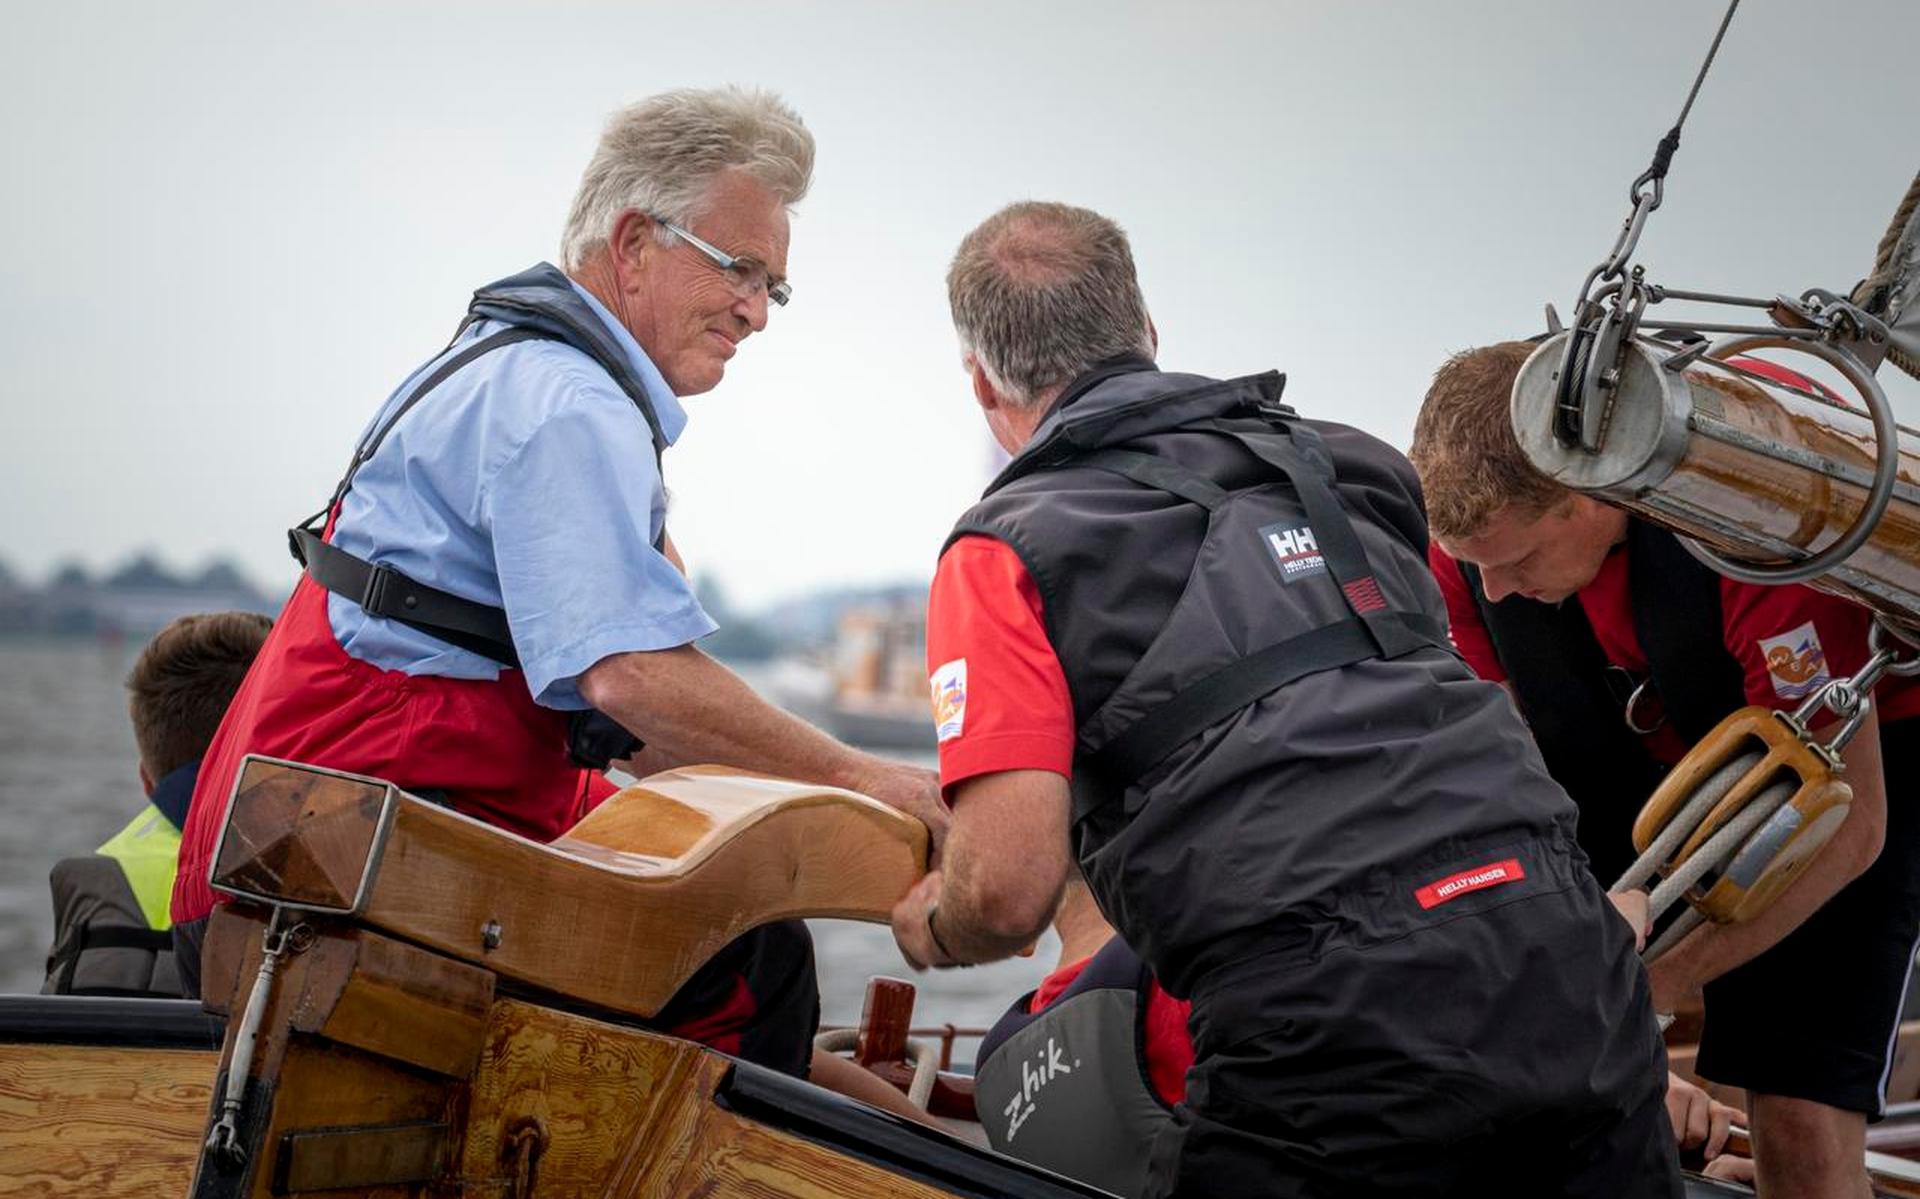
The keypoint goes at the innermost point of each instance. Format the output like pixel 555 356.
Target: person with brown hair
pixel 110 907
pixel 1621 650
pixel 1189 639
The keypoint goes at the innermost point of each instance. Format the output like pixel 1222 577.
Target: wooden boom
pixel 1757 470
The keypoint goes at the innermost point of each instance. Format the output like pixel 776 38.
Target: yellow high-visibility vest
pixel 148 851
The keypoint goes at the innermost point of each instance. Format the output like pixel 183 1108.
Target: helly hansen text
pixel 1493 874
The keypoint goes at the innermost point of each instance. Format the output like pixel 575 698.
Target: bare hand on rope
pixel 1702 1124
pixel 1632 906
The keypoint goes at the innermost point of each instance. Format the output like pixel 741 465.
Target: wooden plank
pixel 584 1086
pixel 629 1114
pixel 100 1123
pixel 354 1024
pixel 413 1006
pixel 332 1159
pixel 322 1086
pixel 600 916
pixel 735 1157
pixel 380 995
pixel 722 1154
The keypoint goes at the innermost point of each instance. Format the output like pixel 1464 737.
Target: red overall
pixel 482 745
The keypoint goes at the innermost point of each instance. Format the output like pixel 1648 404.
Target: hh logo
pixel 1493 874
pixel 1047 1065
pixel 1295 551
pixel 1796 664
pixel 949 686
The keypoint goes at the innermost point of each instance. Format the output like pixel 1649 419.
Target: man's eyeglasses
pixel 747 275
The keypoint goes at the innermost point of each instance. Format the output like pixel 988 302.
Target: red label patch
pixel 1479 878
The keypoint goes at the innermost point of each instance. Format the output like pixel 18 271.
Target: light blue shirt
pixel 525 481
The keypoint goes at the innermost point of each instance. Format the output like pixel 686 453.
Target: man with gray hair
pixel 492 610
pixel 1193 634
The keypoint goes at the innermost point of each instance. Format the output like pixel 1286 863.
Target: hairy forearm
pixel 689 708
pixel 982 918
pixel 1714 949
pixel 1006 861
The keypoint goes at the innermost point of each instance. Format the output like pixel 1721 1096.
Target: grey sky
pixel 229 229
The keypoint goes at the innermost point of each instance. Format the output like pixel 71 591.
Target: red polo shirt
pixel 1788 640
pixel 1000 699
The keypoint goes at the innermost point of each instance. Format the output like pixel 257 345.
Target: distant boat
pixel 873 690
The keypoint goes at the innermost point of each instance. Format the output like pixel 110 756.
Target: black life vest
pixel 1276 746
pixel 536 304
pixel 1067 1088
pixel 1575 702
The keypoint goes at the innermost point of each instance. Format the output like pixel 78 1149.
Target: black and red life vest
pixel 1068 1087
pixel 1277 747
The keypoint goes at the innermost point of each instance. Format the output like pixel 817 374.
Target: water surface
pixel 69 780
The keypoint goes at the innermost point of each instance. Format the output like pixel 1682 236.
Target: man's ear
pixel 631 240
pixel 985 393
pixel 146 779
pixel 1153 337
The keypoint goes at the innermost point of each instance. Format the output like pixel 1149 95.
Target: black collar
pixel 1094 376
pixel 174 792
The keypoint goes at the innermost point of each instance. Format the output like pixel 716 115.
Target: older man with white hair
pixel 492 609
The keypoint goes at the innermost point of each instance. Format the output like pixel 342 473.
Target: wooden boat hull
pixel 428 1033
pixel 630 1114
pixel 557 1104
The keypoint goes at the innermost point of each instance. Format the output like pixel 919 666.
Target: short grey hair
pixel 661 155
pixel 1042 291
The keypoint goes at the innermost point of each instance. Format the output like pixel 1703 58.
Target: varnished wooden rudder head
pixel 617 913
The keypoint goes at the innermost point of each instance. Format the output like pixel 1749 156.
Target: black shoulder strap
pixel 384 591
pixel 441 374
pixel 1146 742
pixel 1373 631
pixel 1161 474
pixel 1301 455
pixel 557 325
pixel 1678 618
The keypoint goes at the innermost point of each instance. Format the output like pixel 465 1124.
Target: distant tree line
pixel 134 599
pixel 138 597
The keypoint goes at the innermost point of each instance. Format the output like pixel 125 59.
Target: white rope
pixel 925 1055
pixel 1688 818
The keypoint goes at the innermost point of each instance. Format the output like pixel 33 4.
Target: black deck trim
pixel 108 1021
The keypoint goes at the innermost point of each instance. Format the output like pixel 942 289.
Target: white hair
pixel 661 155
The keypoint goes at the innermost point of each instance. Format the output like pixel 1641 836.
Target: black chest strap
pixel 1679 618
